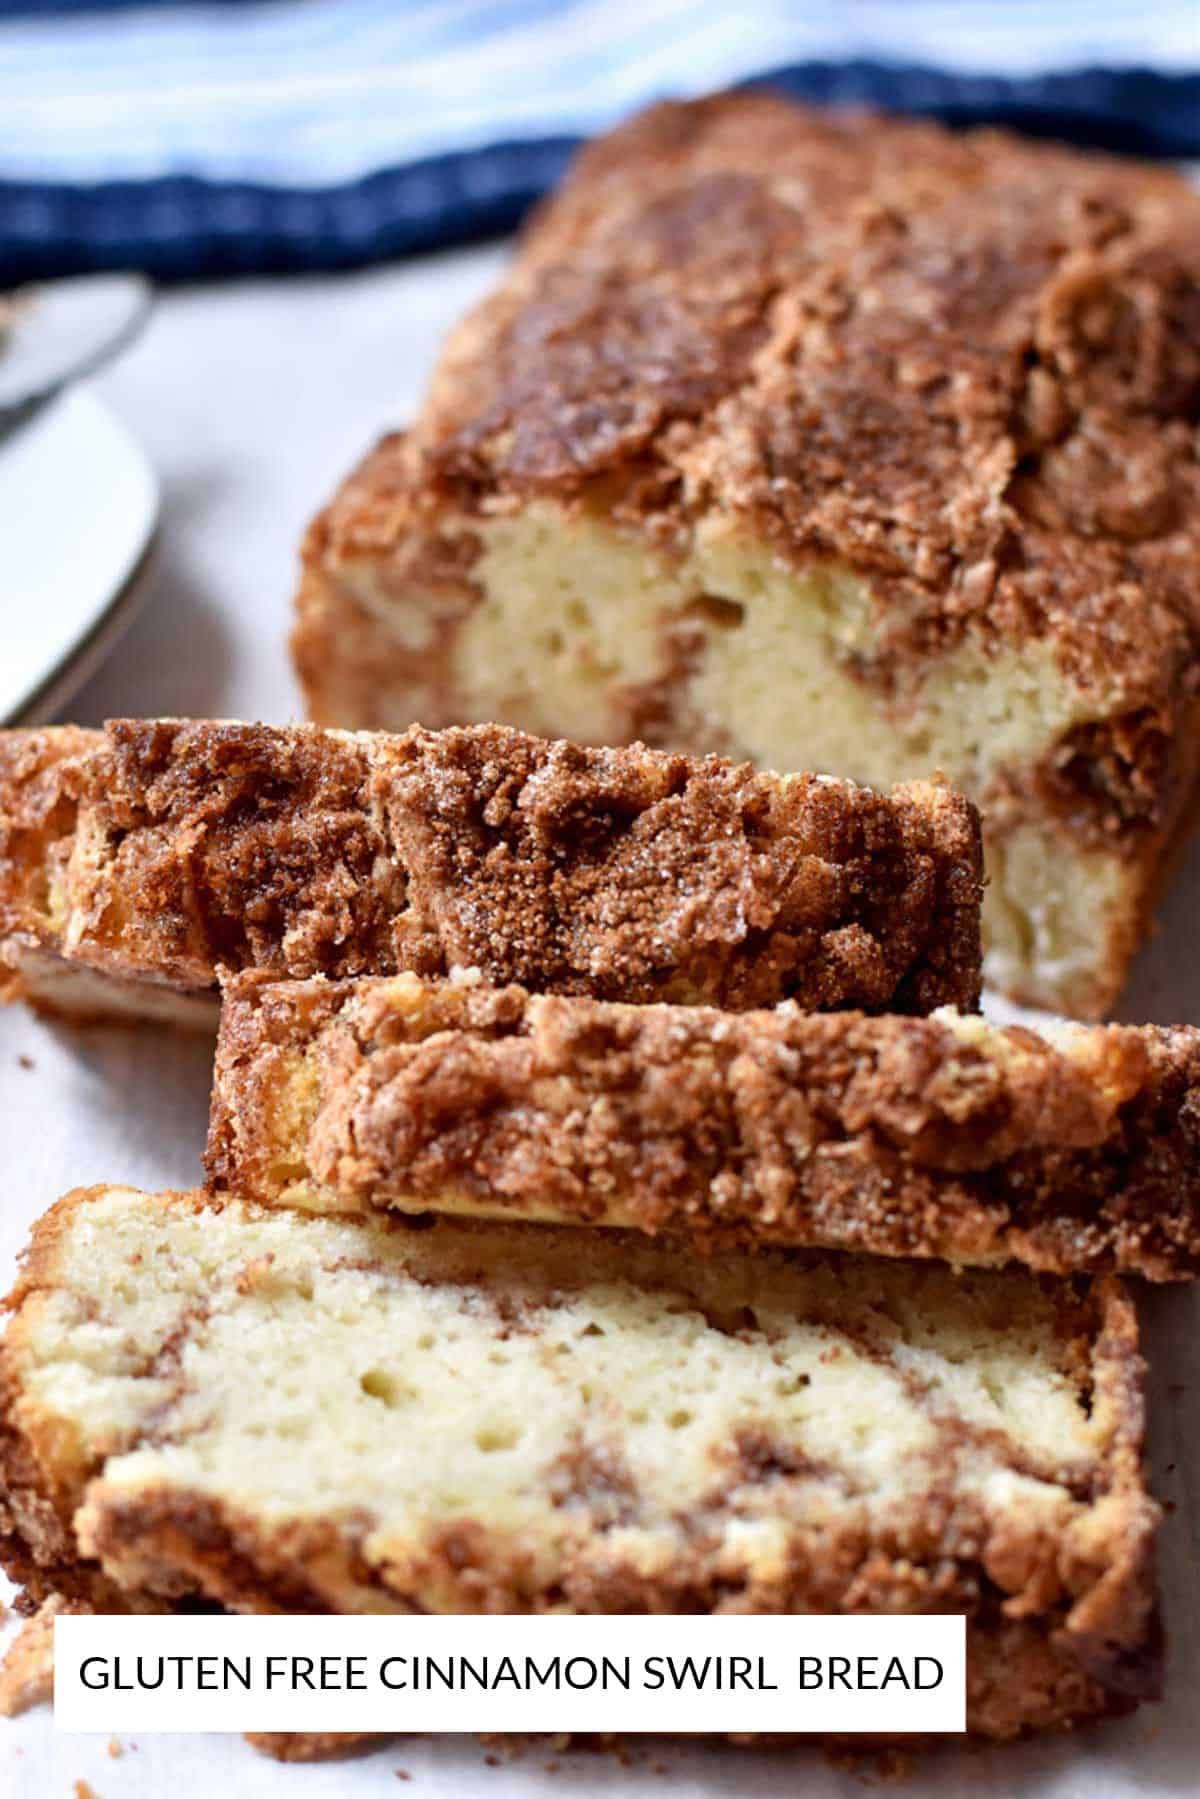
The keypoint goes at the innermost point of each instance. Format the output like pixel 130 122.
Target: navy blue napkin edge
pixel 181 227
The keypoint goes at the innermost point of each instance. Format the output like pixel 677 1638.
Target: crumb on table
pixel 27 1671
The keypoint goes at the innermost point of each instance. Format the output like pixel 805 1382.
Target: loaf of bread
pixel 831 442
pixel 136 862
pixel 491 1417
pixel 943 1136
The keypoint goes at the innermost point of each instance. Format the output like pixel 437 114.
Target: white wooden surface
pixel 251 401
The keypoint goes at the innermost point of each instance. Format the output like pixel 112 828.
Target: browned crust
pixel 890 1135
pixel 39 774
pixel 184 848
pixel 313 1745
pixel 1063 1623
pixel 923 354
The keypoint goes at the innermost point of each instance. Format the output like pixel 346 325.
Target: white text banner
pixel 561 1673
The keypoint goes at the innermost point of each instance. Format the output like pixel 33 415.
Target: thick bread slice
pixel 514 1418
pixel 943 1136
pixel 136 862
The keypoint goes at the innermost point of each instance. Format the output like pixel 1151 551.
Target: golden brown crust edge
pixel 313 1745
pixel 629 872
pixel 911 1137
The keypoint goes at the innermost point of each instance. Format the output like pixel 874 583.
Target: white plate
pixel 78 506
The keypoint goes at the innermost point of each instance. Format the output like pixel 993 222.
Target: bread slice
pixel 943 1136
pixel 475 1417
pixel 830 442
pixel 136 862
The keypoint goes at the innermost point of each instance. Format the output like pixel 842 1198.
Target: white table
pixel 252 400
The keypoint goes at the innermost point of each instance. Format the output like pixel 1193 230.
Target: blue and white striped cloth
pixel 288 133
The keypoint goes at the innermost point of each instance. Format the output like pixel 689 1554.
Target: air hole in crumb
pixel 592 1330
pixel 678 1419
pixel 792 1383
pixel 379 1384
pixel 717 613
pixel 490 1437
pixel 993 1386
pixel 426 1340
